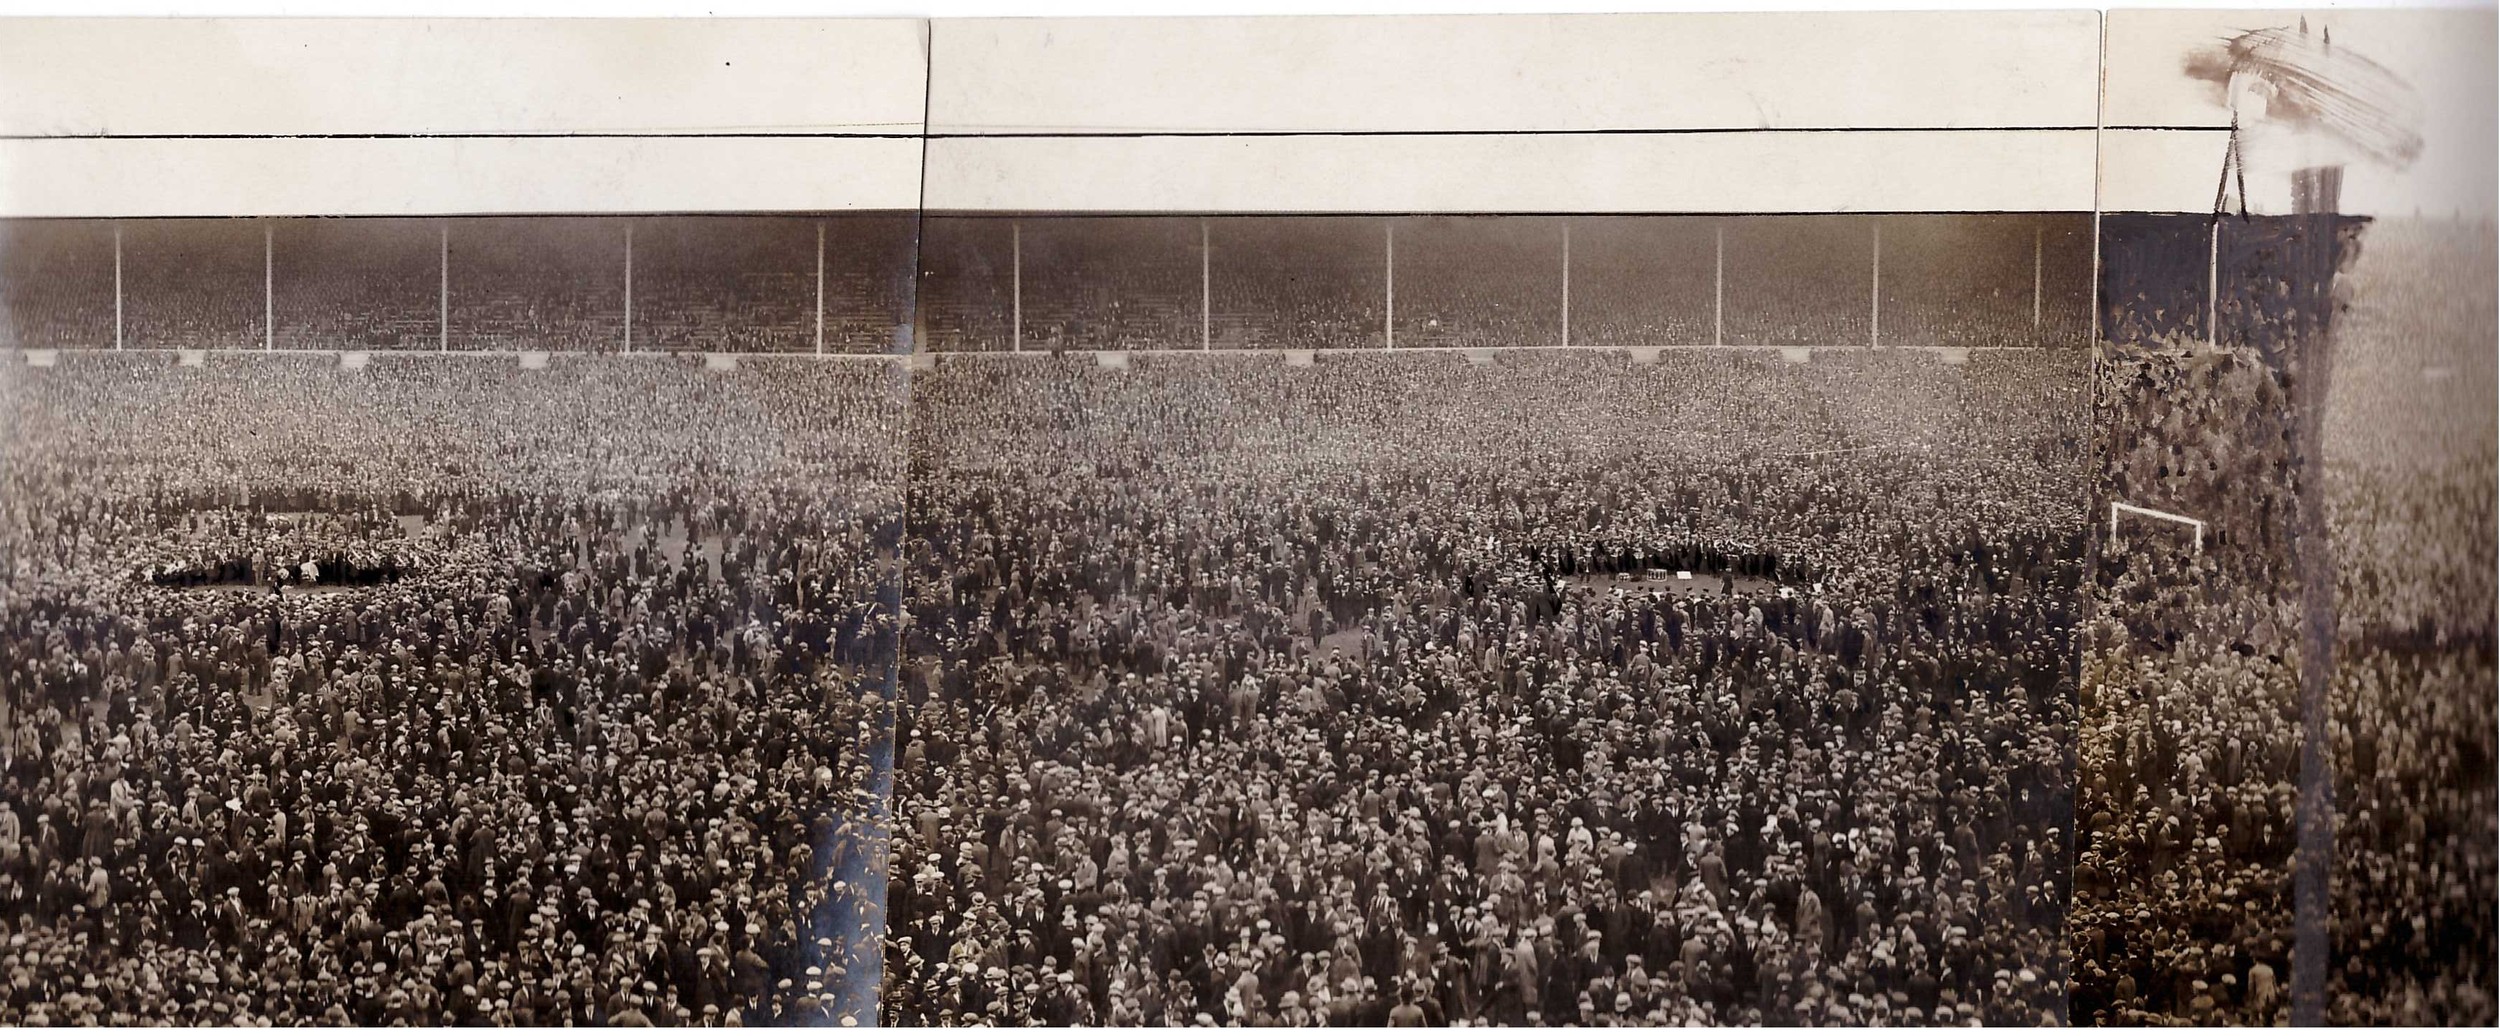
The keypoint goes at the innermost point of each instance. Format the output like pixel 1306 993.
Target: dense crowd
pixel 2189 735
pixel 1479 280
pixel 445 691
pixel 2411 452
pixel 192 284
pixel 1988 281
pixel 56 284
pixel 1110 283
pixel 1240 692
pixel 748 283
pixel 2191 726
pixel 2408 443
pixel 1311 282
pixel 358 283
pixel 1383 689
pixel 702 283
pixel 1645 282
pixel 1813 281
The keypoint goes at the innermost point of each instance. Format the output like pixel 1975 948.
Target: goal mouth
pixel 2194 526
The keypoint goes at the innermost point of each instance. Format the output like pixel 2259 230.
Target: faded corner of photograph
pixel 391 636
pixel 2192 737
pixel 1312 626
pixel 2286 784
pixel 2409 456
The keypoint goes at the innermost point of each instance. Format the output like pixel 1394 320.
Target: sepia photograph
pixel 445 687
pixel 1746 518
pixel 2286 805
pixel 1509 683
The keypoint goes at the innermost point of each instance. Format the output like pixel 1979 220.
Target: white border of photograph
pixel 1934 171
pixel 456 176
pixel 1890 70
pixel 135 77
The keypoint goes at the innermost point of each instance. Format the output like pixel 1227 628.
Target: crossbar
pixel 2116 508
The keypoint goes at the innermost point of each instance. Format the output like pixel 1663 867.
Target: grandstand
pixel 2153 278
pixel 1048 283
pixel 844 284
pixel 555 284
pixel 1823 267
pixel 1640 280
pixel 865 295
pixel 1983 281
pixel 723 284
pixel 2200 280
pixel 731 284
pixel 359 284
pixel 56 284
pixel 193 284
pixel 966 290
pixel 1296 282
pixel 749 284
pixel 1109 282
pixel 1477 281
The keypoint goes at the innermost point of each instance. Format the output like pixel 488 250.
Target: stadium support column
pixel 820 287
pixel 117 284
pixel 1566 285
pixel 268 286
pixel 1206 291
pixel 629 286
pixel 2316 252
pixel 2213 279
pixel 1875 295
pixel 2095 323
pixel 1718 283
pixel 1015 277
pixel 2039 242
pixel 442 287
pixel 1389 297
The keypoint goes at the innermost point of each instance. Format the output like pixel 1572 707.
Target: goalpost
pixel 2198 525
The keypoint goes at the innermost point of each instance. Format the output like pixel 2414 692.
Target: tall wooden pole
pixel 1015 245
pixel 629 287
pixel 2213 281
pixel 2039 240
pixel 820 287
pixel 2317 198
pixel 1718 283
pixel 117 284
pixel 268 286
pixel 1206 290
pixel 1875 297
pixel 442 288
pixel 1566 285
pixel 1389 310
